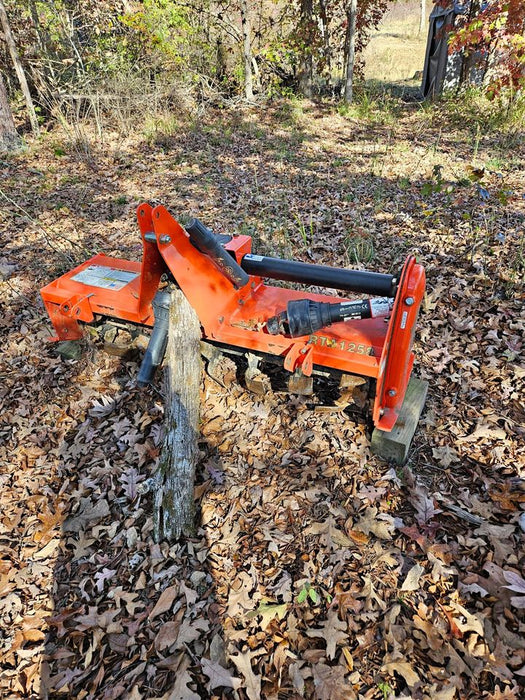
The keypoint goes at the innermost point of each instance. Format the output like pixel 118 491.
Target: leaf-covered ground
pixel 318 570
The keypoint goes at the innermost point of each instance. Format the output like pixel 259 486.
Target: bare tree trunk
pixel 351 16
pixel 306 68
pixel 423 16
pixel 257 74
pixel 9 139
pixel 326 36
pixel 222 63
pixel 77 32
pixel 45 44
pixel 19 69
pixel 174 501
pixel 247 49
pixel 469 60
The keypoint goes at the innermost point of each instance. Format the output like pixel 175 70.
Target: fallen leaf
pixel 466 621
pixel 48 551
pixel 165 601
pixel 515 581
pixel 252 686
pixel 358 537
pixel 180 690
pixel 404 668
pixel 102 576
pixel 167 635
pixel 268 611
pixel 190 631
pixel 484 430
pixel 445 455
pixel 331 536
pixel 102 407
pixel 411 582
pixel 219 677
pixel 86 514
pixel 379 524
pixel 330 683
pixel 423 504
pixel 333 630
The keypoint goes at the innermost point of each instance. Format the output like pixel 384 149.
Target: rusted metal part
pixel 256 381
pixel 298 383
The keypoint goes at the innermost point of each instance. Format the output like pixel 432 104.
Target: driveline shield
pixel 304 316
pixel 368 308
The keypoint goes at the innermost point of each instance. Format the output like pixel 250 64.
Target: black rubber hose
pixel 158 341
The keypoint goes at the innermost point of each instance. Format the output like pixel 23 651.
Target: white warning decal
pixel 404 320
pixel 381 306
pixel 105 277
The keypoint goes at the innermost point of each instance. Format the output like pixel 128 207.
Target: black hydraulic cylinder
pixel 158 340
pixel 319 275
pixel 207 242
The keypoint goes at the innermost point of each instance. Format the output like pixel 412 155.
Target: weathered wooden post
pixel 394 445
pixel 174 506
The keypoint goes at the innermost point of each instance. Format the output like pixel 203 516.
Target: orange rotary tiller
pixel 223 282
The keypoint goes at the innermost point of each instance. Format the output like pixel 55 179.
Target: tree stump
pixel 174 500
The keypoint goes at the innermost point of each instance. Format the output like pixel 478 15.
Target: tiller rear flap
pixel 223 281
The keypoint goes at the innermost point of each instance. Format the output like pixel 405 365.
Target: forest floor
pixel 318 570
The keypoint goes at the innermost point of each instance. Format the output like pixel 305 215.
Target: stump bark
pixel 174 500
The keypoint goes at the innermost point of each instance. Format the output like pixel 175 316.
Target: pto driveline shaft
pixel 304 316
pixel 360 281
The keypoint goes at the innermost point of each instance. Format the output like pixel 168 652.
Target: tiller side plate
pixel 222 281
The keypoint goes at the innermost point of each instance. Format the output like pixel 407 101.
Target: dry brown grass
pixel 396 51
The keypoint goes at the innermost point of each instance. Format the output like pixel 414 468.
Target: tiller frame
pixel 223 282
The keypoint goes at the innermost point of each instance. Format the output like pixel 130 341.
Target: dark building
pixel 444 71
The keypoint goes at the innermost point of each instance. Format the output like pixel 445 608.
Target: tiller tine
pixel 218 366
pixel 353 390
pixel 213 364
pixel 299 384
pixel 256 381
